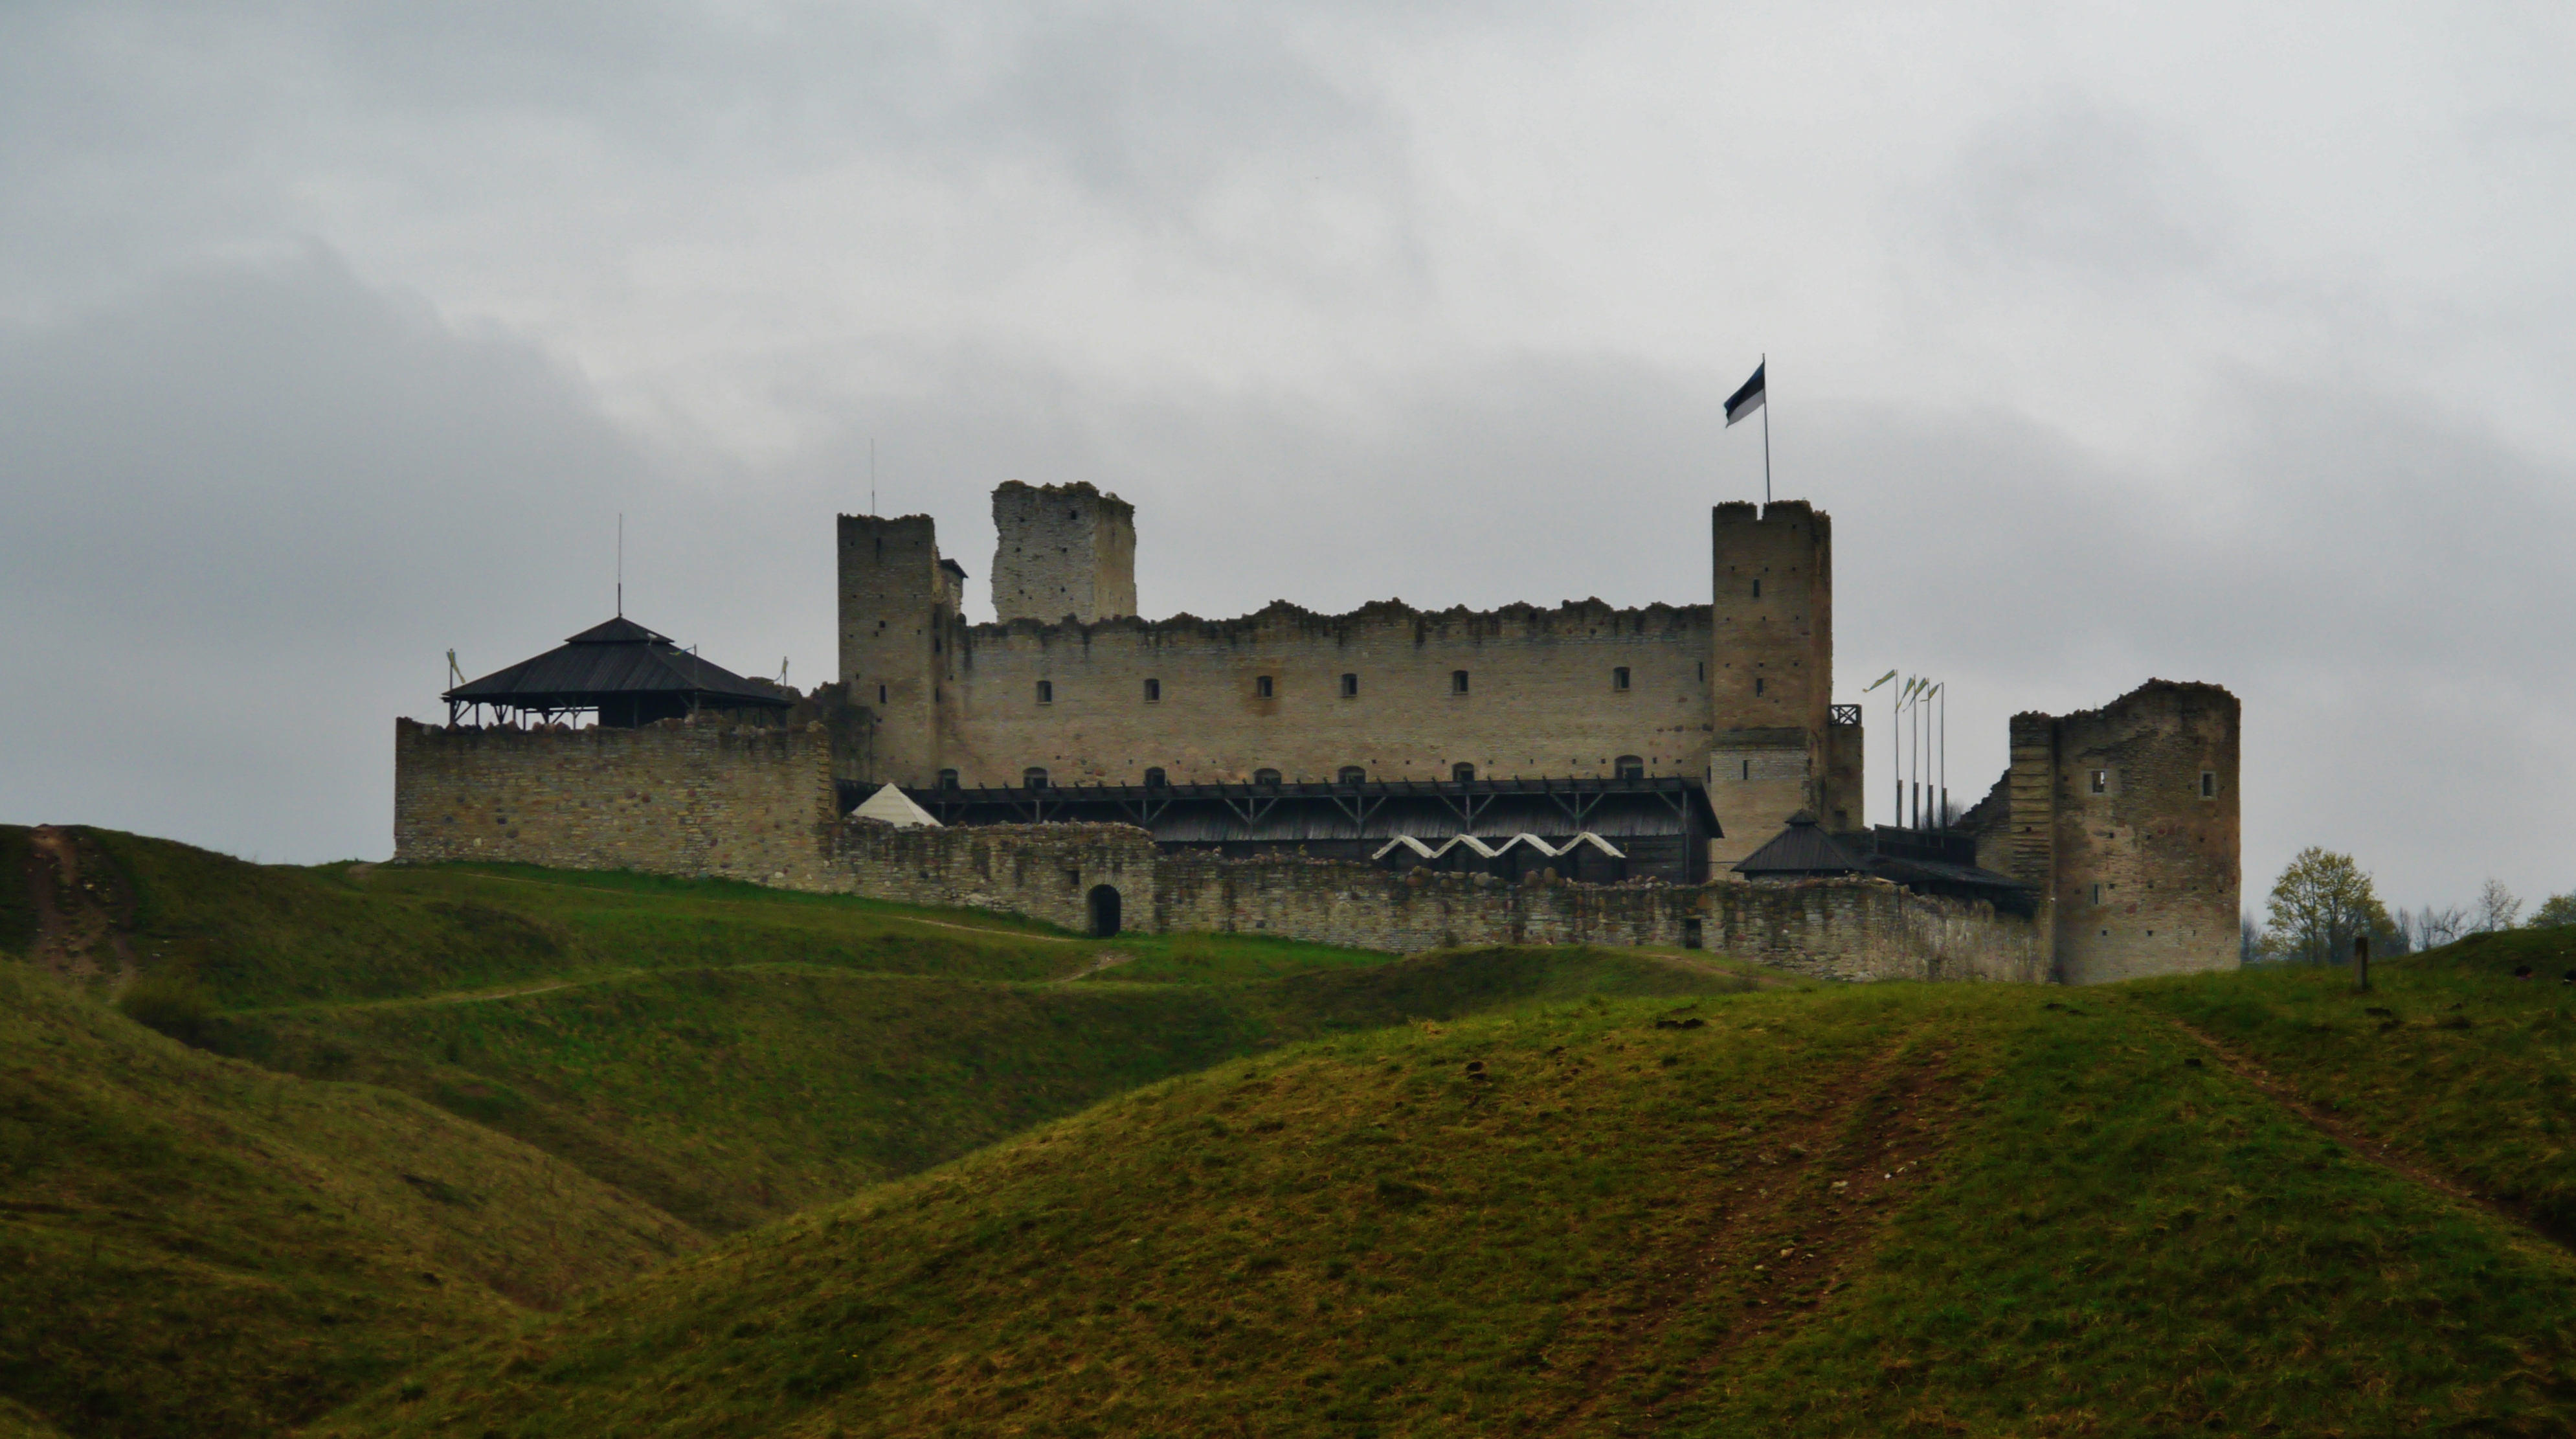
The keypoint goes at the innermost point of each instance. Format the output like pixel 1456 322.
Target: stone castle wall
pixel 707 800
pixel 1542 695
pixel 1733 693
pixel 1857 930
pixel 682 798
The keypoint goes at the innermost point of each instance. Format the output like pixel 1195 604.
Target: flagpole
pixel 1766 429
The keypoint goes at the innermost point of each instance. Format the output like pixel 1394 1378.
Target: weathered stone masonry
pixel 708 800
pixel 668 798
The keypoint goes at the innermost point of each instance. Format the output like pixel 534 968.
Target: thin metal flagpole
pixel 1766 429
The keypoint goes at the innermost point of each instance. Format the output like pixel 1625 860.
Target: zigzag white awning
pixel 1478 846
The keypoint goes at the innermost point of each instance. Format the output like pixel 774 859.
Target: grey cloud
pixel 1340 295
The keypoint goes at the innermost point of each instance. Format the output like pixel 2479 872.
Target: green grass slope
pixel 1901 1209
pixel 733 1096
pixel 191 1246
pixel 252 935
pixel 2449 1059
pixel 19 1422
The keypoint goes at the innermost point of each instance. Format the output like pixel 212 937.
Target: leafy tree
pixel 2558 909
pixel 2319 903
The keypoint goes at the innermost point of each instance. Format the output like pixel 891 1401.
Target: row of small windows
pixel 1627 766
pixel 1267 686
pixel 2099 782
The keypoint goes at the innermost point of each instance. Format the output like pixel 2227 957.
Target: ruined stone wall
pixel 1989 823
pixel 2128 816
pixel 1065 550
pixel 1542 695
pixel 1856 930
pixel 679 798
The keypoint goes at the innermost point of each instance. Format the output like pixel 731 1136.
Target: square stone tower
pixel 899 622
pixel 2125 820
pixel 1066 550
pixel 1773 748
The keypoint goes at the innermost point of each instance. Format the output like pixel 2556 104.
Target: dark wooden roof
pixel 613 662
pixel 1929 861
pixel 1803 848
pixel 1294 813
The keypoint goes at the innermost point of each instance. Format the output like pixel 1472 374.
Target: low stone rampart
pixel 1848 930
pixel 708 800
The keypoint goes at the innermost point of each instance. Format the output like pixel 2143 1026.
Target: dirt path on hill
pixel 2362 1145
pixel 891 918
pixel 1106 959
pixel 1833 1181
pixel 83 909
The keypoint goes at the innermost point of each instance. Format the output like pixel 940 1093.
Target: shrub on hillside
pixel 2554 912
pixel 170 1003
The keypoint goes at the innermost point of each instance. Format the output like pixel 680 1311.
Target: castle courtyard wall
pixel 1847 930
pixel 1542 696
pixel 707 800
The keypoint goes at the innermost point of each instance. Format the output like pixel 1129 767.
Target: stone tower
pixel 2125 821
pixel 899 603
pixel 1773 749
pixel 1065 550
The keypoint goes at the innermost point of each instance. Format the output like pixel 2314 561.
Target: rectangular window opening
pixel 1457 682
pixel 1046 692
pixel 2209 784
pixel 1263 687
pixel 1350 687
pixel 1757 686
pixel 2101 781
pixel 1619 679
pixel 1153 692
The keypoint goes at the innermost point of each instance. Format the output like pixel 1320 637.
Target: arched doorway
pixel 1104 911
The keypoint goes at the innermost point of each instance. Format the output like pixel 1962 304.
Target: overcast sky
pixel 2217 342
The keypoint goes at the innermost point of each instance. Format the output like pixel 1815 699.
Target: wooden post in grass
pixel 2361 961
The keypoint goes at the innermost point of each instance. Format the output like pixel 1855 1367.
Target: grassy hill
pixel 1214 1184
pixel 474 1093
pixel 2449 1059
pixel 192 1246
pixel 734 1096
pixel 1904 1209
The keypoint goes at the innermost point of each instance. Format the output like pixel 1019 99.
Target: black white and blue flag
pixel 1748 399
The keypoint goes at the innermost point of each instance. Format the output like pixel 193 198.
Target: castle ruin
pixel 1390 777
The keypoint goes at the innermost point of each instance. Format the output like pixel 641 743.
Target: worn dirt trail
pixel 82 908
pixel 1834 1180
pixel 2281 1092
pixel 993 931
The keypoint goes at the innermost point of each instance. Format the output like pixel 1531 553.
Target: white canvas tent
pixel 892 806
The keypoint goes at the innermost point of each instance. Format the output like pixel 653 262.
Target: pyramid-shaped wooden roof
pixel 1803 848
pixel 616 664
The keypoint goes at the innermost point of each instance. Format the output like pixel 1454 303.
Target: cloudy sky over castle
pixel 2207 342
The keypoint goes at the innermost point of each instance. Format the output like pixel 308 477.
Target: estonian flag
pixel 1745 401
